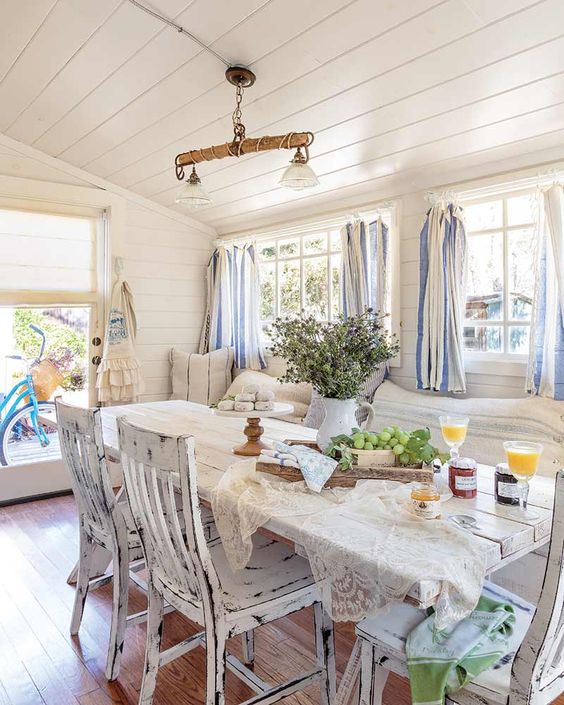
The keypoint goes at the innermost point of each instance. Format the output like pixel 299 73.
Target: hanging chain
pixel 238 127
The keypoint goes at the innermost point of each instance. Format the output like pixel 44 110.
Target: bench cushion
pixel 492 421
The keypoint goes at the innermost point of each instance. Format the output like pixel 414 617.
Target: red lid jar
pixel 463 477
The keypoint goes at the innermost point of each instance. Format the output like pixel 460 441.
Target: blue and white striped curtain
pixel 232 316
pixel 364 271
pixel 545 375
pixel 440 322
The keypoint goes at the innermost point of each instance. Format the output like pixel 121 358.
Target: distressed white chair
pixel 196 578
pixel 103 521
pixel 533 671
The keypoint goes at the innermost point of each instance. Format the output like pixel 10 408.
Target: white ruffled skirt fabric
pixel 119 380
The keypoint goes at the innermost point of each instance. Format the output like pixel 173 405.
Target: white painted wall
pixel 165 264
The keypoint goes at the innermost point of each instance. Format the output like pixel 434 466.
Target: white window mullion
pixel 505 330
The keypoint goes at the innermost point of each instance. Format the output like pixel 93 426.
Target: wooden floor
pixel 40 664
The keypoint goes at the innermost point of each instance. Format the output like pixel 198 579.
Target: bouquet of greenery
pixel 336 358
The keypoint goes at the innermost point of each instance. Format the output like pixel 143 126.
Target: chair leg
pixel 119 612
pixel 155 614
pixel 84 569
pixel 325 650
pixel 215 662
pixel 248 639
pixel 373 677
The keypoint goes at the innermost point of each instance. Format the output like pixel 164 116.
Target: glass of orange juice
pixel 454 430
pixel 523 460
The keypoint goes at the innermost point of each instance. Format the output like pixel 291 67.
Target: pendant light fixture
pixel 298 175
pixel 192 194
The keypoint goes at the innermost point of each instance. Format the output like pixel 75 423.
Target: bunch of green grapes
pixel 389 438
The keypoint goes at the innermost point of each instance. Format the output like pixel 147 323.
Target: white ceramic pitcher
pixel 340 417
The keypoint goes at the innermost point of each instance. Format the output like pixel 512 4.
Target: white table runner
pixel 365 549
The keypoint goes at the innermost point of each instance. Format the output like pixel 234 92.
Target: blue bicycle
pixel 24 436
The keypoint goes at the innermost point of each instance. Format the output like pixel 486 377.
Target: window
pixel 300 272
pixel 501 239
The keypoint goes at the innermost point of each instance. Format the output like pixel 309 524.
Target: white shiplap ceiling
pixel 390 87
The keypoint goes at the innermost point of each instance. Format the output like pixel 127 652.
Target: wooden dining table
pixel 504 535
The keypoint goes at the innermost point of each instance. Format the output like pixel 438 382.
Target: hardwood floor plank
pixel 41 664
pixel 14 678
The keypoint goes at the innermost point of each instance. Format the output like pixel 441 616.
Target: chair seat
pixel 389 633
pixel 273 571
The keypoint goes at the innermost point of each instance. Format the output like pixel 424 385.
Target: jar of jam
pixel 463 477
pixel 505 489
pixel 426 501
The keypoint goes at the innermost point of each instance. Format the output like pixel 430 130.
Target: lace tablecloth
pixel 365 549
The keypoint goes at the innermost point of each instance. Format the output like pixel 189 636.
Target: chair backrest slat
pixel 538 669
pixel 156 468
pixel 82 448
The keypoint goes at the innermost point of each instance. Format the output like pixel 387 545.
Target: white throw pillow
pixel 299 395
pixel 492 421
pixel 203 379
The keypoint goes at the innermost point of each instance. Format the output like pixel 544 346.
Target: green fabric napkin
pixel 442 662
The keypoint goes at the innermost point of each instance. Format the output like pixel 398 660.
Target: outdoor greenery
pixel 335 357
pixel 65 347
pixel 311 273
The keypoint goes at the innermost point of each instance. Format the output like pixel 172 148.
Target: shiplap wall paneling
pixel 165 264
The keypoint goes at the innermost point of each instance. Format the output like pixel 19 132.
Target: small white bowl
pixel 368 458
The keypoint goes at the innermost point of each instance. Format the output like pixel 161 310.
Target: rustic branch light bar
pixel 248 145
pixel 298 174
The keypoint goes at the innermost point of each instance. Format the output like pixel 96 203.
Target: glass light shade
pixel 298 175
pixel 192 195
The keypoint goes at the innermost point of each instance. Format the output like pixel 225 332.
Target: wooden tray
pixel 350 477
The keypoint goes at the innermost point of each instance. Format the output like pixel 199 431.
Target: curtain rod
pixel 339 220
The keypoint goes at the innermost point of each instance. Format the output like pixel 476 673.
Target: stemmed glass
pixel 523 461
pixel 454 430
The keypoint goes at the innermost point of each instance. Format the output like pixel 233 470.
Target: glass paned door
pixel 44 353
pixel 30 380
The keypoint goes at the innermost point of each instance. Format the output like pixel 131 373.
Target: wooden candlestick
pixel 254 446
pixel 253 430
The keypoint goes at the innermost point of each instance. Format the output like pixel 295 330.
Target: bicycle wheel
pixel 20 444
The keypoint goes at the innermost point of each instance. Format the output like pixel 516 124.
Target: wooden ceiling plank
pixel 278 68
pixel 100 58
pixel 20 21
pixel 478 88
pixel 488 137
pixel 411 87
pixel 50 49
pixel 186 78
pixel 155 62
pixel 298 94
pixel 497 109
pixel 544 149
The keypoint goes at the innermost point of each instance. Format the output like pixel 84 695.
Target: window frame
pixel 301 258
pixel 504 362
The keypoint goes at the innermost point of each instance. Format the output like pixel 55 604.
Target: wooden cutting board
pixel 352 476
